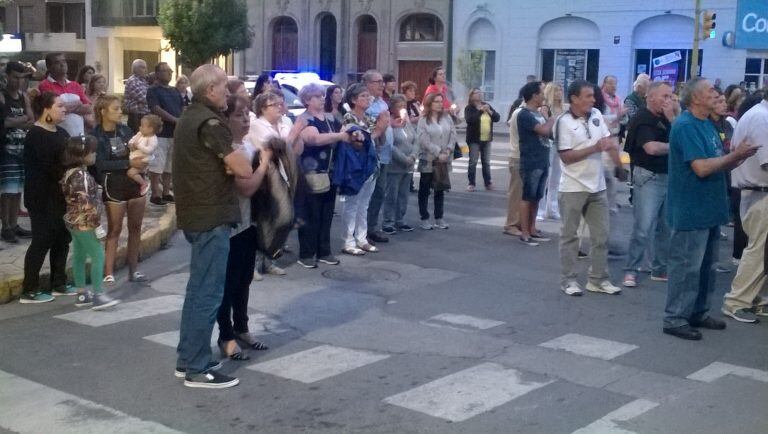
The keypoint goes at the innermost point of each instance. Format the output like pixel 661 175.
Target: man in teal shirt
pixel 698 205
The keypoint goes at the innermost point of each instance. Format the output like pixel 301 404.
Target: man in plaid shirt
pixel 136 94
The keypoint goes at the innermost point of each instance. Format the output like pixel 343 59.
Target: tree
pixel 470 67
pixel 200 30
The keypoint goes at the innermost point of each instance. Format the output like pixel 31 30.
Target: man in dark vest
pixel 648 145
pixel 206 210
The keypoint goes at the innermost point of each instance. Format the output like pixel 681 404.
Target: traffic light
pixel 708 25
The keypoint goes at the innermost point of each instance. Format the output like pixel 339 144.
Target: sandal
pixel 369 248
pixel 251 342
pixel 238 355
pixel 109 279
pixel 138 276
pixel 354 251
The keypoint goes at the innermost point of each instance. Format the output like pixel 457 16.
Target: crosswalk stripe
pixel 717 370
pixel 461 322
pixel 29 407
pixel 258 325
pixel 126 311
pixel 317 363
pixel 468 393
pixel 589 346
pixel 607 423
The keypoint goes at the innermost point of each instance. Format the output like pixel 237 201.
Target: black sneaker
pixel 182 372
pixel 330 260
pixel 405 228
pixel 684 332
pixel 582 255
pixel 389 230
pixel 103 301
pixel 156 201
pixel 210 380
pixel 529 241
pixel 21 232
pixel 377 237
pixel 9 236
pixel 307 262
pixel 84 299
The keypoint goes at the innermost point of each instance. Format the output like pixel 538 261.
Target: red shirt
pixel 51 85
pixel 432 88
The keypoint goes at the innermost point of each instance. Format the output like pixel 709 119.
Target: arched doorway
pixel 327 47
pixel 569 50
pixel 667 58
pixel 285 44
pixel 367 33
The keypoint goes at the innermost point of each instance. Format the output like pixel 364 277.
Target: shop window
pixel 66 18
pixel 488 74
pixel 26 19
pixel 647 61
pixel 567 66
pixel 421 27
pixel 144 8
pixel 756 73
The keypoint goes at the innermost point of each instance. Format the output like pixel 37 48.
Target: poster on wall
pixel 570 65
pixel 666 73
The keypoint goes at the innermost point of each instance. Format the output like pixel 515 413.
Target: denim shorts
pixel 534 183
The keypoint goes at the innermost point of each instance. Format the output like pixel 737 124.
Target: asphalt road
pixel 462 330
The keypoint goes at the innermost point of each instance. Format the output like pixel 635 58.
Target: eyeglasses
pixel 377 81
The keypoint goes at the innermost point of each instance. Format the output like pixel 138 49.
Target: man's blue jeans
pixel 396 200
pixel 650 209
pixel 691 276
pixel 205 290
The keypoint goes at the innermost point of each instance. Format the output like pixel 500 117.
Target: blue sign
pixel 752 24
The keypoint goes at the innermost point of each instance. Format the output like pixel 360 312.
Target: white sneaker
pixel 257 277
pixel 426 225
pixel 441 224
pixel 275 270
pixel 605 286
pixel 572 288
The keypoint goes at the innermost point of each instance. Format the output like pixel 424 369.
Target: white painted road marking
pixel 717 370
pixel 258 324
pixel 465 394
pixel 29 407
pixel 126 311
pixel 589 346
pixel 317 363
pixel 607 423
pixel 461 322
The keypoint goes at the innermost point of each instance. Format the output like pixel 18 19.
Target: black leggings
pixel 48 234
pixel 425 185
pixel 233 312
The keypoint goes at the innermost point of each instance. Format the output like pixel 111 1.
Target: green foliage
pixel 470 67
pixel 200 30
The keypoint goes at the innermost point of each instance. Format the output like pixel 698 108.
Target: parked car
pixel 291 83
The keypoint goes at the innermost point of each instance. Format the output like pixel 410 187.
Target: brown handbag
pixel 441 177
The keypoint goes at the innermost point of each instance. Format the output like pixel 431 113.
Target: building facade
pixel 341 39
pixel 563 40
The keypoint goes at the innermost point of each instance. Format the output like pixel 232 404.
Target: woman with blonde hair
pixel 553 100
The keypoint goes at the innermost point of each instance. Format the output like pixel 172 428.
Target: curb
pixel 151 241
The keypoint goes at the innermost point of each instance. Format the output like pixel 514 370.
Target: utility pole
pixel 695 54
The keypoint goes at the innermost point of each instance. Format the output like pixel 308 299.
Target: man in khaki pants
pixel 582 136
pixel 515 191
pixel 744 303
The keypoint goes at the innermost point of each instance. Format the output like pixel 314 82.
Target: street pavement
pixel 462 330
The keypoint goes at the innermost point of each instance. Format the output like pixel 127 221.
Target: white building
pixel 569 39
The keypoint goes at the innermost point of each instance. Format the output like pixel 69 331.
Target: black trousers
pixel 49 234
pixel 233 312
pixel 740 238
pixel 315 233
pixel 425 185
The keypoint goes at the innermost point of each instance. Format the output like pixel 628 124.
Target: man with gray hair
pixel 206 211
pixel 636 100
pixel 135 100
pixel 379 109
pixel 697 207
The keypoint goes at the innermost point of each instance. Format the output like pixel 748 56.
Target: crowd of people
pixel 243 172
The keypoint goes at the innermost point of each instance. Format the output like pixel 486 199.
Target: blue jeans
pixel 205 290
pixel 481 150
pixel 691 276
pixel 396 201
pixel 377 200
pixel 649 200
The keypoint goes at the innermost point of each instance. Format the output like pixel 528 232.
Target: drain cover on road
pixel 367 274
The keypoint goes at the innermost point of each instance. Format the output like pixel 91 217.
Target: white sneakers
pixel 606 287
pixel 441 224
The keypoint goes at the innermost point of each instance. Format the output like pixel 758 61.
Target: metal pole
pixel 695 54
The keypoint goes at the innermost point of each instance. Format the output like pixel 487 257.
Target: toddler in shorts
pixel 143 146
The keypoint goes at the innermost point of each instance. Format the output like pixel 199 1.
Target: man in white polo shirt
pixel 582 136
pixel 744 303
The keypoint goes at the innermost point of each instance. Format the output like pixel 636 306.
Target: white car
pixel 291 83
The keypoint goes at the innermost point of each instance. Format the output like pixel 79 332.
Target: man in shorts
pixel 165 101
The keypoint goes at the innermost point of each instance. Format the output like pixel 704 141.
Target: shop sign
pixel 752 24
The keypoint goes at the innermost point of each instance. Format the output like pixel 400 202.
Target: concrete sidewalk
pixel 158 226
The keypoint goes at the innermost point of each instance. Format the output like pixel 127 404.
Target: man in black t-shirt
pixel 534 125
pixel 165 101
pixel 648 145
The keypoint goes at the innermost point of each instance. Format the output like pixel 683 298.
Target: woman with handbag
pixel 355 169
pixel 436 135
pixel 316 197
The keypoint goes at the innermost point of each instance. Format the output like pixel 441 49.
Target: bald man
pixel 136 94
